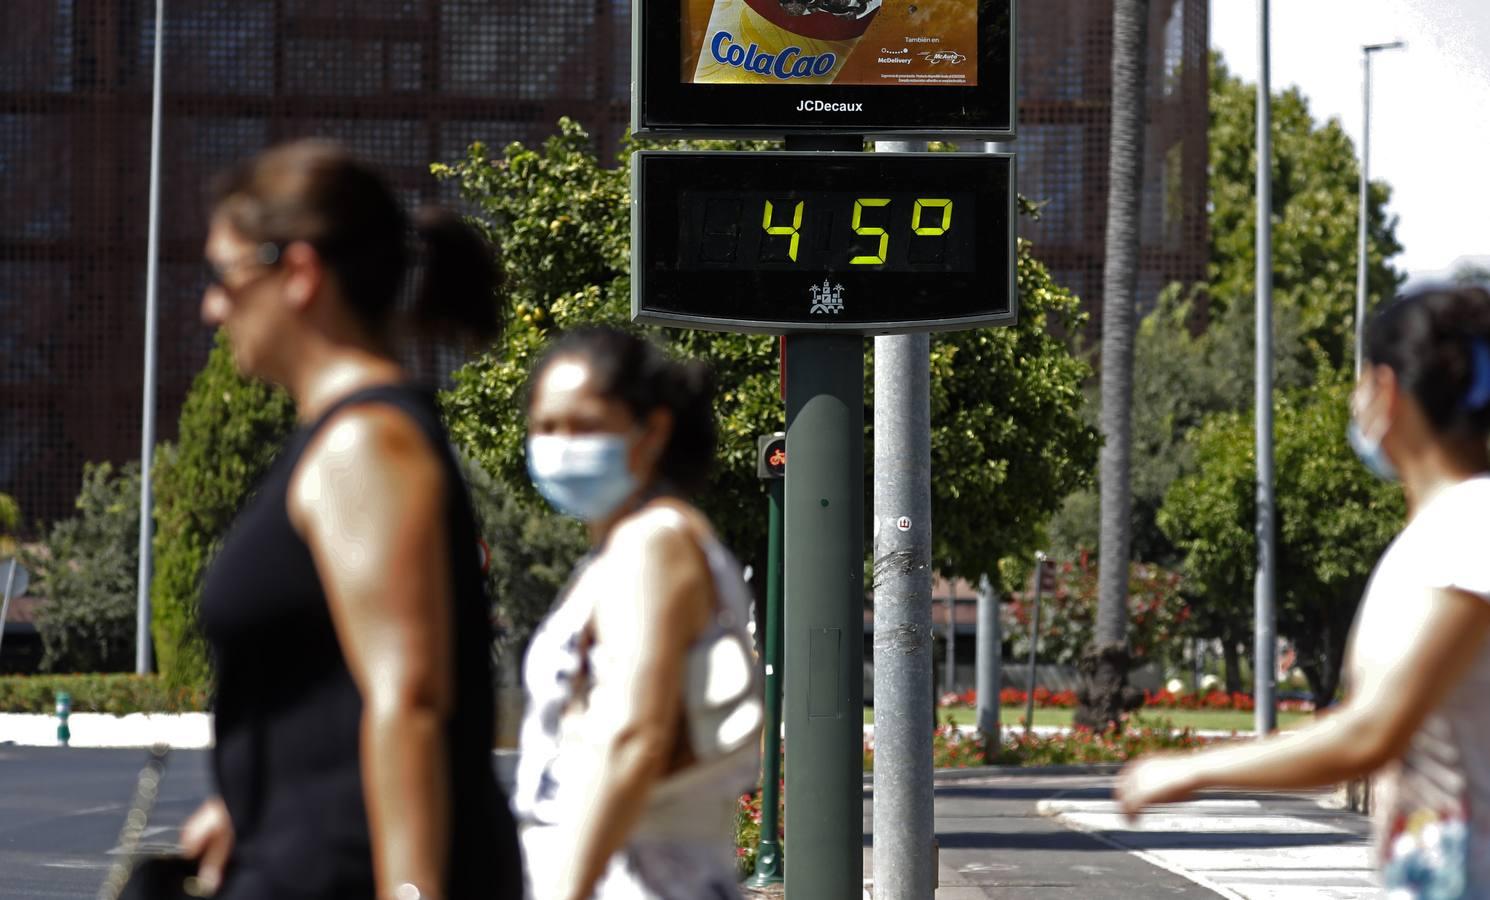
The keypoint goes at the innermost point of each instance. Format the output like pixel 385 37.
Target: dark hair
pixel 638 373
pixel 316 191
pixel 1437 341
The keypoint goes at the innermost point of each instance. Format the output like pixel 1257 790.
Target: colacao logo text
pixel 789 63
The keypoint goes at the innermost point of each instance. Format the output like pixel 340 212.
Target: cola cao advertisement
pixel 930 43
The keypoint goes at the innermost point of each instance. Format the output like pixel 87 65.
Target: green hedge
pixel 116 694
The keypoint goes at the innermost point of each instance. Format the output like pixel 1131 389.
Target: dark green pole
pixel 768 862
pixel 824 687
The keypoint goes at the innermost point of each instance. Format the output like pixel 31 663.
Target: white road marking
pixel 1220 857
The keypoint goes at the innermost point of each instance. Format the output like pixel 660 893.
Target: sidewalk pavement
pixel 1016 833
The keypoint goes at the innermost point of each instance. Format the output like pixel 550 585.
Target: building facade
pixel 405 83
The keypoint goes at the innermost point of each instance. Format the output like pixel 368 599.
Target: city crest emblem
pixel 826 298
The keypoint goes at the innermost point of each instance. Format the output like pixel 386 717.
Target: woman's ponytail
pixel 461 279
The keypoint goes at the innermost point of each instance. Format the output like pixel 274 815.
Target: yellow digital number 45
pixel 794 229
pixel 870 231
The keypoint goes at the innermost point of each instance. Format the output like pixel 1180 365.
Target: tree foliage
pixel 1196 348
pixel 1316 205
pixel 1068 615
pixel 10 515
pixel 229 432
pixel 1333 520
pixel 530 556
pixel 88 576
pixel 1007 437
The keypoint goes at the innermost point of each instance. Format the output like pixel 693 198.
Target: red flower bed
pixel 1047 699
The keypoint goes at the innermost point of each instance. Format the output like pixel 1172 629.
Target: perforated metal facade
pixel 406 82
pixel 1065 71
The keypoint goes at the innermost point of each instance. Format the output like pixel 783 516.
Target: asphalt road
pixel 61 810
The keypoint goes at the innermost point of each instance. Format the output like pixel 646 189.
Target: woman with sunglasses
pixel 1418 664
pixel 345 610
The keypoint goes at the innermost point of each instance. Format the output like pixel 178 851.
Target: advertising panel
pixel 846 42
pixel 719 68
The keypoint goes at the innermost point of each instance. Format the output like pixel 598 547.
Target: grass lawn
pixel 1200 720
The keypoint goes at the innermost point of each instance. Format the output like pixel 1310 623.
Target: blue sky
pixel 1430 119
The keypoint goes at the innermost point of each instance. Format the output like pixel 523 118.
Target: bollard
pixel 64 709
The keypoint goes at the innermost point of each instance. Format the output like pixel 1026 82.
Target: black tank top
pixel 288 712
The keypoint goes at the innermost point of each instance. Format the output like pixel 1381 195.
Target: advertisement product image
pixel 841 42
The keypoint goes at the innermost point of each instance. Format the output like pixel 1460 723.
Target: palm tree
pixel 1104 695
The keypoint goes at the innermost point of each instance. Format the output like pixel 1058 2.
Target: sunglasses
pixel 266 254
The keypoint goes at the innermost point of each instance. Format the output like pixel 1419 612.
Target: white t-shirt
pixel 1433 805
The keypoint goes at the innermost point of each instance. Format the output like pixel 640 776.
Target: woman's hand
pixel 1156 779
pixel 208 837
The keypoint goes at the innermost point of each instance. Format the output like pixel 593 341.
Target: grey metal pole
pixel 950 681
pixel 1029 693
pixel 10 580
pixel 904 867
pixel 1361 259
pixel 904 859
pixel 989 663
pixel 1264 713
pixel 824 567
pixel 147 416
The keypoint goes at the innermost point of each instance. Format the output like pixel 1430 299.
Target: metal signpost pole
pixel 951 660
pixel 1264 714
pixel 147 418
pixel 1364 202
pixel 989 665
pixel 825 620
pixel 10 580
pixel 1029 698
pixel 768 862
pixel 904 864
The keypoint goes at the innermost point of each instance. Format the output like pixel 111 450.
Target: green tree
pixel 1068 615
pixel 1323 560
pixel 1007 433
pixel 229 431
pixel 529 557
pixel 10 523
pixel 10 514
pixel 1195 350
pixel 1316 203
pixel 88 574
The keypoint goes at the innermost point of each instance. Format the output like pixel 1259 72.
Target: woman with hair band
pixel 630 773
pixel 1418 664
pixel 346 611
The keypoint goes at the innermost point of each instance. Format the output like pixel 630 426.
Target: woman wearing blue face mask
pixel 643 702
pixel 1418 664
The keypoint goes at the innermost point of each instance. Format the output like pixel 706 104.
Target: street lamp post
pixel 1365 187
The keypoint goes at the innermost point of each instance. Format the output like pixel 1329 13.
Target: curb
pixel 973 773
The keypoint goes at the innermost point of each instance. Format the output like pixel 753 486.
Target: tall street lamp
pixel 1360 265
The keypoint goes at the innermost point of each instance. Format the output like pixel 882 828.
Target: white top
pixel 1433 805
pixel 683 844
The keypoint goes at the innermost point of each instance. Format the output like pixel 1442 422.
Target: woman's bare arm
pixel 1371 728
pixel 369 499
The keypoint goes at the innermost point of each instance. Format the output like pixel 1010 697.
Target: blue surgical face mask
pixel 1370 453
pixel 584 476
